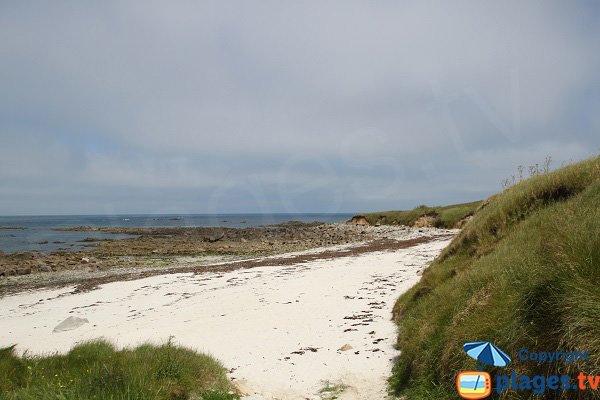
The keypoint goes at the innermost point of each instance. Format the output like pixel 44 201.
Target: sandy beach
pixel 283 331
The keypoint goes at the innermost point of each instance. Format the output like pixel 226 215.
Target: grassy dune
pixel 443 217
pixel 523 273
pixel 95 370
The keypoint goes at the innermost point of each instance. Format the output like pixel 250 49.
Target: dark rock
pixel 215 238
pixel 24 271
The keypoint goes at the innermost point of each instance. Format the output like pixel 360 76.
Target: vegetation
pixel 441 217
pixel 523 273
pixel 331 391
pixel 95 370
pixel 534 170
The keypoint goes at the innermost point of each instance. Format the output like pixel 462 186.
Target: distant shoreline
pixel 47 234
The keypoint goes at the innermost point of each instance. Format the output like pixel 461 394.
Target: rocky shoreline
pixel 161 249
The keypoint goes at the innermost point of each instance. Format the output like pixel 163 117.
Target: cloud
pixel 338 106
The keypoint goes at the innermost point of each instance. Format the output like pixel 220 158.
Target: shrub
pixel 96 370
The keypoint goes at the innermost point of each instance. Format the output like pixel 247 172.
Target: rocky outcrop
pixel 158 245
pixel 425 221
pixel 359 220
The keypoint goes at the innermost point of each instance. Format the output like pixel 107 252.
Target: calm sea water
pixel 40 235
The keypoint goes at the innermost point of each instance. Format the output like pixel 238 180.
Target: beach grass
pixel 523 273
pixel 96 370
pixel 441 216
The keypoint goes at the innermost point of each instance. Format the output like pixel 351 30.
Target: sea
pixel 38 233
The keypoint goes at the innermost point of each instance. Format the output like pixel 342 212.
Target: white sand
pixel 251 320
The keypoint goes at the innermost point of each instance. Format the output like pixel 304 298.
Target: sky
pixel 287 106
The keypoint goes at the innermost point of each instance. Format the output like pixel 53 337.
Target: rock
pixel 23 271
pixel 45 268
pixel 70 324
pixel 85 259
pixel 155 251
pixel 215 238
pixel 89 240
pixel 345 347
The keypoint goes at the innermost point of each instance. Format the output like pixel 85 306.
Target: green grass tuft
pixel 96 370
pixel 523 273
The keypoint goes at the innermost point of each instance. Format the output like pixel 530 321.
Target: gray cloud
pixel 287 106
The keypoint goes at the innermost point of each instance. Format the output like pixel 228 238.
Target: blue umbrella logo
pixel 487 353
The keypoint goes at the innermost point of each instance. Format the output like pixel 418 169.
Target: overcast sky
pixel 287 106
